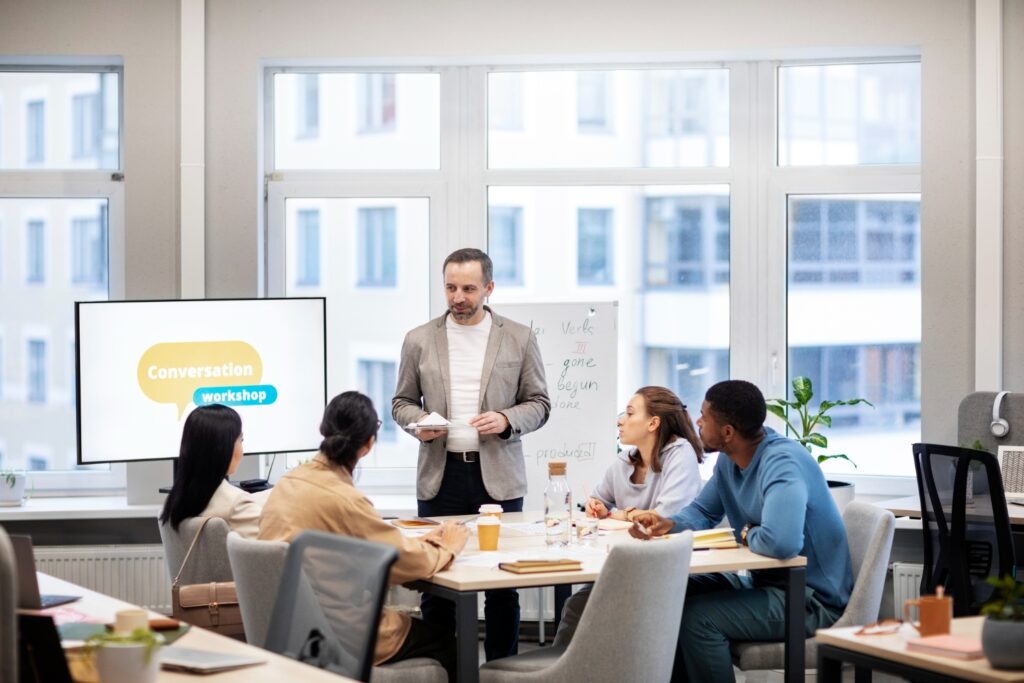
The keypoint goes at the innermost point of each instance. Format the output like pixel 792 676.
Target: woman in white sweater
pixel 211 449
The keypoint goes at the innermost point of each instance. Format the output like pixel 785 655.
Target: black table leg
pixel 467 639
pixel 829 670
pixel 795 609
pixel 562 593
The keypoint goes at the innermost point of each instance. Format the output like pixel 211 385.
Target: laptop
pixel 28 583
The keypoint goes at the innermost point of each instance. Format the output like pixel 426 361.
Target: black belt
pixel 468 456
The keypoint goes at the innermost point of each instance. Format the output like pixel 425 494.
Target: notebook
pixel 714 539
pixel 538 566
pixel 28 582
pixel 414 523
pixel 203 661
pixel 957 647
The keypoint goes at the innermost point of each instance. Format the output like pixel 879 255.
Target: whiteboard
pixel 579 345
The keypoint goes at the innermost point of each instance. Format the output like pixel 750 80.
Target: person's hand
pixel 596 508
pixel 652 522
pixel 491 422
pixel 453 536
pixel 427 434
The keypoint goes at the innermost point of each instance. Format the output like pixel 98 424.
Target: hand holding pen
pixel 647 525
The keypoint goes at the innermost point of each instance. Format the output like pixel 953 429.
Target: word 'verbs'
pixel 227 372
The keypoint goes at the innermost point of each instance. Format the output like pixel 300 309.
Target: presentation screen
pixel 143 366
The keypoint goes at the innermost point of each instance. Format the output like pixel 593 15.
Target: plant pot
pixel 12 495
pixel 127 663
pixel 1001 641
pixel 842 493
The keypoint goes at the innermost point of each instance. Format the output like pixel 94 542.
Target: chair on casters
pixel 869 532
pixel 966 526
pixel 257 567
pixel 327 609
pixel 622 602
pixel 8 611
pixel 209 561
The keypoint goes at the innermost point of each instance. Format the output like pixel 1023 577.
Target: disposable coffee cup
pixel 491 510
pixel 487 530
pixel 128 620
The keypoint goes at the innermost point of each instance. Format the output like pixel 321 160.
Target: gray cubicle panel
pixel 974 420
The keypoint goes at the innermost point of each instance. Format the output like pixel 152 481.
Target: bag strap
pixel 195 539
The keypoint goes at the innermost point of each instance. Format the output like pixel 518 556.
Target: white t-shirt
pixel 467 345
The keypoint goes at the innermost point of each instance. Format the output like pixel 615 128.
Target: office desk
pixel 888 653
pixel 276 669
pixel 910 506
pixel 462 583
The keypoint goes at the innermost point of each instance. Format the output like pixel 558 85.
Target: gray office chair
pixel 209 561
pixel 622 602
pixel 8 611
pixel 257 567
pixel 869 532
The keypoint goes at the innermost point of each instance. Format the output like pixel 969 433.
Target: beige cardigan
pixel 240 509
pixel 319 495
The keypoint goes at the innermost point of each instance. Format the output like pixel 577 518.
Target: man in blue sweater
pixel 771 488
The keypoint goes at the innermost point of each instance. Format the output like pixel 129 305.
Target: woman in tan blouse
pixel 320 495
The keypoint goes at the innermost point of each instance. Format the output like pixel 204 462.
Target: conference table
pixel 475 571
pixel 888 653
pixel 101 608
pixel 910 506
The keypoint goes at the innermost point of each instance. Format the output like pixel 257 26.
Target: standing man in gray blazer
pixel 485 375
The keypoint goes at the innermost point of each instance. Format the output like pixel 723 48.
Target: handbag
pixel 213 605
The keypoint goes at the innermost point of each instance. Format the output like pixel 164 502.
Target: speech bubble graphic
pixel 170 372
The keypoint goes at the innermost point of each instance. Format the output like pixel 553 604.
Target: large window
pixel 89 250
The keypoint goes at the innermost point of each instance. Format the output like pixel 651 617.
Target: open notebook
pixel 203 661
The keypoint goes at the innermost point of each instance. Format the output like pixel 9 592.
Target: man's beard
pixel 466 314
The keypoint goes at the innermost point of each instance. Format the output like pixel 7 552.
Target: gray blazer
pixel 512 383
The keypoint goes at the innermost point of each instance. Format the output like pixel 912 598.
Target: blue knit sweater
pixel 783 492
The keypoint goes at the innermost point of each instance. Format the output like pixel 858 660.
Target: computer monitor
pixel 143 366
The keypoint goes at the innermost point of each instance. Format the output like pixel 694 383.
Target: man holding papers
pixel 484 374
pixel 775 490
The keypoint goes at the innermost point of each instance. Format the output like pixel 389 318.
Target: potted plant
pixel 127 657
pixel 809 427
pixel 1002 634
pixel 12 488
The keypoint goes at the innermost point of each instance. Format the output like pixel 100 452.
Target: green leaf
pixel 823 458
pixel 802 390
pixel 825 420
pixel 855 401
pixel 828 405
pixel 777 411
pixel 817 439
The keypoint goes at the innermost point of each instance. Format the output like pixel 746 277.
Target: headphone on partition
pixel 999 426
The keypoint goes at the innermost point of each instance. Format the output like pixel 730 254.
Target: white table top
pixel 911 506
pixel 102 608
pixel 893 647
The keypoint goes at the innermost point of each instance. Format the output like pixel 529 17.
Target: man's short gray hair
pixel 467 255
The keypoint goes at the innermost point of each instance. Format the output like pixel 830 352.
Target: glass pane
pixel 673 332
pixel 369 255
pixel 850 114
pixel 51 120
pixel 608 119
pixel 357 121
pixel 855 321
pixel 53 252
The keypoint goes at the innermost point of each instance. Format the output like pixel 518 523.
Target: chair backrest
pixel 329 602
pixel 8 611
pixel 257 567
pixel 869 533
pixel 640 592
pixel 209 561
pixel 967 536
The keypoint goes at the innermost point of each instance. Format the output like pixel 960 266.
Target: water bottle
pixel 557 506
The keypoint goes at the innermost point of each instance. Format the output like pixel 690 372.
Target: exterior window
pixel 594 247
pixel 378 103
pixel 35 132
pixel 308 270
pixel 377 380
pixel 505 101
pixel 37 463
pixel 308 102
pixel 36 371
pixel 593 98
pixel 505 244
pixel 89 251
pixel 378 247
pixel 35 252
pixel 86 130
pixel 687 241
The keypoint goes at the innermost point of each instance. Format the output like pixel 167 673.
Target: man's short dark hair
pixel 740 404
pixel 468 254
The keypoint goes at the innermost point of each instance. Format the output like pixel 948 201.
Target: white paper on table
pixel 514 529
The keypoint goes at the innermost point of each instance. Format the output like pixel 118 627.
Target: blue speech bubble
pixel 251 395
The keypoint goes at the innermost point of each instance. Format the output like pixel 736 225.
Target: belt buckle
pixel 465 457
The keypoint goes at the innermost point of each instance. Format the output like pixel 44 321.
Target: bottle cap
pixel 556 467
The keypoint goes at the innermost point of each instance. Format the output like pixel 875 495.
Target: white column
pixel 192 233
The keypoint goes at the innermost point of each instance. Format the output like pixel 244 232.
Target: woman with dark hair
pixel 660 473
pixel 320 495
pixel 211 449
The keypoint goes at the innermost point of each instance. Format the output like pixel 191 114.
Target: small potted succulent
pixel 1002 634
pixel 127 657
pixel 810 425
pixel 12 488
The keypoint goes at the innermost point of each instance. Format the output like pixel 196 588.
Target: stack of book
pixel 537 566
pixel 957 647
pixel 714 538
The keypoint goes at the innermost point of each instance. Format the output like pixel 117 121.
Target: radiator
pixel 906 584
pixel 133 573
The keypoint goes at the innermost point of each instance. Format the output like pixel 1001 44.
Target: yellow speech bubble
pixel 170 372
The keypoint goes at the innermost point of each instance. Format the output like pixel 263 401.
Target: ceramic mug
pixel 935 613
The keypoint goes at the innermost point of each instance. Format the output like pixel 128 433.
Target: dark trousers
pixel 424 641
pixel 462 493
